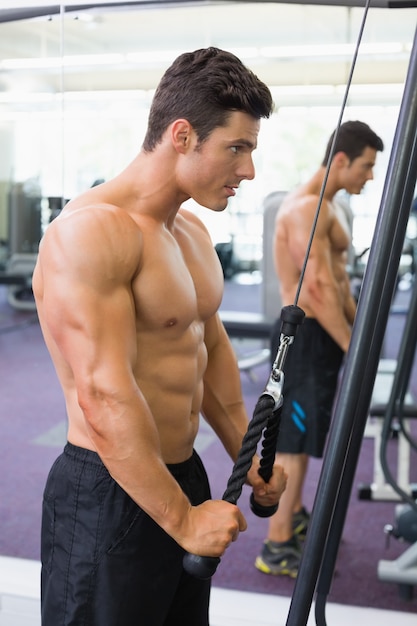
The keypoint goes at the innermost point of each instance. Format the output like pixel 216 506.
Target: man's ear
pixel 181 132
pixel 341 159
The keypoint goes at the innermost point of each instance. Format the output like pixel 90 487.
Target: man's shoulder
pixel 299 201
pixel 190 220
pixel 96 231
pixel 94 216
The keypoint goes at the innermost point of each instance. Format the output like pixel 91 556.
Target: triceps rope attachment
pixel 266 420
pixel 266 415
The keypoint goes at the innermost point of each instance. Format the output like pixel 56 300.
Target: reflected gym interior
pixel 76 82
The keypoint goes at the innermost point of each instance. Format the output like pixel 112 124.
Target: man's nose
pixel 247 171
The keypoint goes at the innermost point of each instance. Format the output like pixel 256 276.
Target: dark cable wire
pixel 331 155
pixel 322 595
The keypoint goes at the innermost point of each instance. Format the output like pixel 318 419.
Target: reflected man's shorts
pixel 311 371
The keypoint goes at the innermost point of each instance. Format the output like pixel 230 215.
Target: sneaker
pixel 300 522
pixel 279 559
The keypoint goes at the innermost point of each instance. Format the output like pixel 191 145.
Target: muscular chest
pixel 339 233
pixel 180 282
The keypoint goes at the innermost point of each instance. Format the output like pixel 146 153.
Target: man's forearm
pixel 332 318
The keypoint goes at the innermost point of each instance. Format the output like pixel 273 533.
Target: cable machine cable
pixel 267 413
pixel 332 150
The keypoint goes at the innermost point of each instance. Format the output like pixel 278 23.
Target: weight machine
pixel 25 230
pixel 403 570
pixel 24 234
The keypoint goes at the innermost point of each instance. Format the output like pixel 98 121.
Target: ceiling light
pixel 333 50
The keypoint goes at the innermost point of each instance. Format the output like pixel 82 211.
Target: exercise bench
pixel 380 489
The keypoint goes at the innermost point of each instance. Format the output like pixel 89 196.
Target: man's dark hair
pixel 352 139
pixel 204 87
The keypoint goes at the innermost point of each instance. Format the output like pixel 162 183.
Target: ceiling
pixel 142 38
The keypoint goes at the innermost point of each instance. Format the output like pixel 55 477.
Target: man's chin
pixel 219 207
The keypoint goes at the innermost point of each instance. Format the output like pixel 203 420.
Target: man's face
pixel 359 171
pixel 212 171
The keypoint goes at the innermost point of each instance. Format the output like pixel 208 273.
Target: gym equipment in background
pixel 402 570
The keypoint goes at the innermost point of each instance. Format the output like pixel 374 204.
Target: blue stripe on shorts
pixel 298 416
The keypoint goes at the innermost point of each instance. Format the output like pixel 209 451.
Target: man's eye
pixel 235 149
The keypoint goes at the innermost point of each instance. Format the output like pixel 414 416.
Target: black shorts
pixel 311 372
pixel 105 562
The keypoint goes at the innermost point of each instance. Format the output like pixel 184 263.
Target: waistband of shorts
pixel 310 321
pixel 183 469
pixel 85 455
pixel 82 454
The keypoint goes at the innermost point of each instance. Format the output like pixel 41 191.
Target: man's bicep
pixel 294 231
pixel 319 264
pixel 300 244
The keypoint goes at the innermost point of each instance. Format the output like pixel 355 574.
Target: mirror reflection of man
pixel 313 363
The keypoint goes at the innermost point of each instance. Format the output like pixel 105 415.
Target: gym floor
pixel 19 604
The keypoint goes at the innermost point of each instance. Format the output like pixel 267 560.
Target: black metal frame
pixel 11 15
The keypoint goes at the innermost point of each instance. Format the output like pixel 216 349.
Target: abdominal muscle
pixel 172 386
